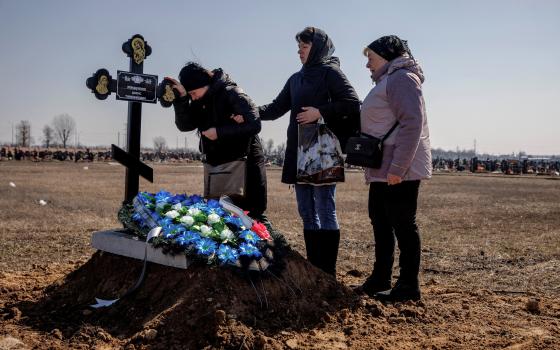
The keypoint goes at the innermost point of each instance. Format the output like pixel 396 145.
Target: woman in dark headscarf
pixel 396 99
pixel 319 89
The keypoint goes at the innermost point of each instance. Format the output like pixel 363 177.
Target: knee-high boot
pixel 312 243
pixel 330 240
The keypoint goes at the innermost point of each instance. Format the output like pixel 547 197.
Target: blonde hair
pixel 366 50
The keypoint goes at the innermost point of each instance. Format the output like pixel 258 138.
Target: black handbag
pixel 366 150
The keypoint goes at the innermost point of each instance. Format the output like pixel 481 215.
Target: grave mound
pixel 193 308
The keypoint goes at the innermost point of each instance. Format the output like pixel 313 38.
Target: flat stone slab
pixel 120 243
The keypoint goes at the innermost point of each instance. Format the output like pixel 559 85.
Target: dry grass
pixel 491 245
pixel 501 232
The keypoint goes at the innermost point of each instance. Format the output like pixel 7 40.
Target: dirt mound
pixel 194 308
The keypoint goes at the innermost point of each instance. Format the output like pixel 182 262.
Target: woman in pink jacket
pixel 393 194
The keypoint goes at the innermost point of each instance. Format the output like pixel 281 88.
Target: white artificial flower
pixel 187 220
pixel 213 218
pixel 177 206
pixel 194 211
pixel 205 230
pixel 172 214
pixel 226 234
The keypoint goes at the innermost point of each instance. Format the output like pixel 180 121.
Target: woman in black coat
pixel 319 89
pixel 207 101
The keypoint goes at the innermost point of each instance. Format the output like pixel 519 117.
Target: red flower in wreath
pixel 260 230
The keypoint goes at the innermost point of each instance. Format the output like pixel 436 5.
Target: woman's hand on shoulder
pixel 210 134
pixel 309 115
pixel 177 86
pixel 238 118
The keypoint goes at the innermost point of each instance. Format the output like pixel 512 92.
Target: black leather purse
pixel 366 150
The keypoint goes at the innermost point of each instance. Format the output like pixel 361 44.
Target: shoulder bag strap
pixel 390 131
pixel 386 135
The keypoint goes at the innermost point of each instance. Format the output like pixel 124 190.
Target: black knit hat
pixel 390 47
pixel 193 76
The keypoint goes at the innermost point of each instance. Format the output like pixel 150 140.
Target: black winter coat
pixel 320 84
pixel 234 141
pixel 223 99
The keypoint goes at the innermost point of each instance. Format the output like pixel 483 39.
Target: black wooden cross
pixel 134 87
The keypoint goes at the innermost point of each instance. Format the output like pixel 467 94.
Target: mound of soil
pixel 195 308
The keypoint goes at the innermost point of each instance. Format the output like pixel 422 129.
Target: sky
pixel 492 67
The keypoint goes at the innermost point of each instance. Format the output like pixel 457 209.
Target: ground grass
pixel 500 231
pixel 491 246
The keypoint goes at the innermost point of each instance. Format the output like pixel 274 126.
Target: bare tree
pixel 280 149
pixel 268 148
pixel 64 126
pixel 48 135
pixel 23 133
pixel 160 144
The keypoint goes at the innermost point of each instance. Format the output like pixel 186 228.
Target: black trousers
pixel 392 210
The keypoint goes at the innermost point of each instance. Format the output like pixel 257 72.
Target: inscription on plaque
pixel 136 87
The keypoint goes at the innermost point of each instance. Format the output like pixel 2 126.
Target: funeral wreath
pixel 205 230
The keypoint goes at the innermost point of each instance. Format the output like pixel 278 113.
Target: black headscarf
pixel 390 47
pixel 322 49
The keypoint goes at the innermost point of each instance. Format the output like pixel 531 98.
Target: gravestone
pixel 136 88
pixel 124 244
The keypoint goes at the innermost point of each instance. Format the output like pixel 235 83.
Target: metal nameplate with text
pixel 136 87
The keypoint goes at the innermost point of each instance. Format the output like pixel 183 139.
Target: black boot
pixel 330 240
pixel 373 285
pixel 402 291
pixel 380 278
pixel 312 243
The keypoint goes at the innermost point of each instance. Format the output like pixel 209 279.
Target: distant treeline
pixel 38 154
pixel 442 161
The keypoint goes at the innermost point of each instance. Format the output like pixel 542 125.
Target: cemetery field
pixel 490 261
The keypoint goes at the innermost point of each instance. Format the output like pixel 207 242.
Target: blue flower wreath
pixel 196 226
